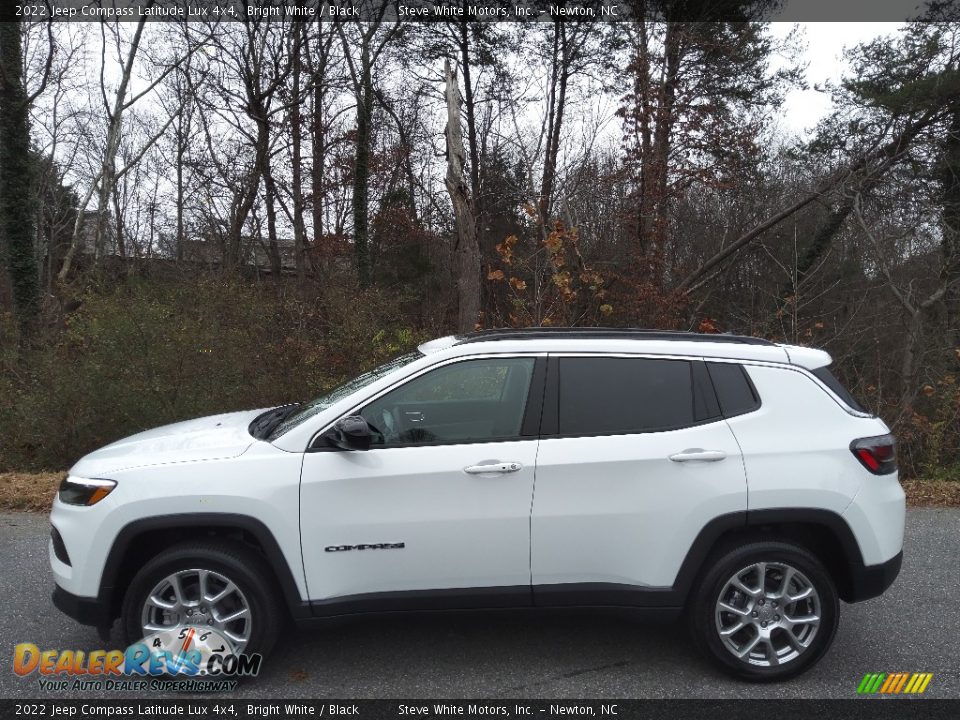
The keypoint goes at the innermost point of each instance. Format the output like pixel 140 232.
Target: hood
pixel 208 438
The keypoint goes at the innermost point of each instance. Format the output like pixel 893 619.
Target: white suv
pixel 728 477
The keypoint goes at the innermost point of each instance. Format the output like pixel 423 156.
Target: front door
pixel 437 512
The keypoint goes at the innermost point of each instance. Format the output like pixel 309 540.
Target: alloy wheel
pixel 198 598
pixel 768 614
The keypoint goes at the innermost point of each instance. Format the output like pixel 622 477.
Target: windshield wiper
pixel 264 423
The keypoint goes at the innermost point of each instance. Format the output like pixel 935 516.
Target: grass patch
pixel 28 492
pixel 33 492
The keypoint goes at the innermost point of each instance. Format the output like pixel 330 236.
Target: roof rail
pixel 587 333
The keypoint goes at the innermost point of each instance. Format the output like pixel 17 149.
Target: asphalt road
pixel 914 627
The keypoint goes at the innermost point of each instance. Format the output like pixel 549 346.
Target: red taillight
pixel 877 454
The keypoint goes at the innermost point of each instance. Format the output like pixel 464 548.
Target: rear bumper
pixel 85 610
pixel 869 581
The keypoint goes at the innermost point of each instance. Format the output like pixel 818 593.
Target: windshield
pixel 308 410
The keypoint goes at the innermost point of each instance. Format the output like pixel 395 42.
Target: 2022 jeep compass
pixel 727 477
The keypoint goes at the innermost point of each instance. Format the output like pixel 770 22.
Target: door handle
pixel 698 455
pixel 504 467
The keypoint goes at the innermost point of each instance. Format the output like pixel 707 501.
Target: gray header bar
pixel 462 10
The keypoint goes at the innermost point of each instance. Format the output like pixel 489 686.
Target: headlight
pixel 84 491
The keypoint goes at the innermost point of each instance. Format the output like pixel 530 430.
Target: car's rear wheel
pixel 765 611
pixel 205 585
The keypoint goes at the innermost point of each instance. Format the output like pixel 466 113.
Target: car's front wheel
pixel 205 585
pixel 765 611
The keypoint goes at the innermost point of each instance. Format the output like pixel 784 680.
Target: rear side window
pixel 824 375
pixel 734 389
pixel 607 396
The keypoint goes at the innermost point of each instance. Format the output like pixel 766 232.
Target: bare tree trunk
pixel 361 76
pixel 184 123
pixel 361 176
pixel 16 167
pixel 118 221
pixel 319 55
pixel 950 243
pixel 296 129
pixel 468 251
pixel 471 116
pixel 318 151
pixel 656 220
pixel 559 71
pixel 273 245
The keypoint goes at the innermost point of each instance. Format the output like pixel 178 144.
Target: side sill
pixel 641 614
pixel 572 596
pixel 424 601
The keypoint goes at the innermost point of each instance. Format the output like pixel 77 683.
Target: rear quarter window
pixel 824 375
pixel 735 392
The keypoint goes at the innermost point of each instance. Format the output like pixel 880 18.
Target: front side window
pixel 609 395
pixel 323 402
pixel 471 401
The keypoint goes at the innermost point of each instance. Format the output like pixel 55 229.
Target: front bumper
pixel 869 581
pixel 85 610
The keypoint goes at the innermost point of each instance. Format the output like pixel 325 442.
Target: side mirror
pixel 351 433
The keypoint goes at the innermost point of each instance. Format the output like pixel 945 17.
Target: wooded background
pixel 200 217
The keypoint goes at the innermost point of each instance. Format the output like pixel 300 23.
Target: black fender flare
pixel 193 521
pixel 849 586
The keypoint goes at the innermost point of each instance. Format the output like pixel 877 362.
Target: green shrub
pixel 146 353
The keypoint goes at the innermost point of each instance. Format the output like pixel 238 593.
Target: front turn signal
pixel 84 491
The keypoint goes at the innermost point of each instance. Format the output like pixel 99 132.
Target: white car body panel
pixel 458 530
pixel 263 483
pixel 207 438
pixel 796 446
pixel 877 518
pixel 615 509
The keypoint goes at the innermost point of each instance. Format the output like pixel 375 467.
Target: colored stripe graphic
pixel 903 680
pixel 894 683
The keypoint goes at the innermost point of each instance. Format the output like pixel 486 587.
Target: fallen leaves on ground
pixel 932 493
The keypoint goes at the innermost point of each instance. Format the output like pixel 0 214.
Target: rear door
pixel 634 460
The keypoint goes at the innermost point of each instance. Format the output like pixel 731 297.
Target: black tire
pixel 705 617
pixel 243 566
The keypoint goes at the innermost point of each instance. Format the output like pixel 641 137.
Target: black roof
pixel 600 333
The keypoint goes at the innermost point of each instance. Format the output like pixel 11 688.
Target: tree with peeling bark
pixel 467 250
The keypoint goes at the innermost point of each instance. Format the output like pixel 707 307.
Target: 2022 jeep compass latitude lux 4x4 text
pixel 727 478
